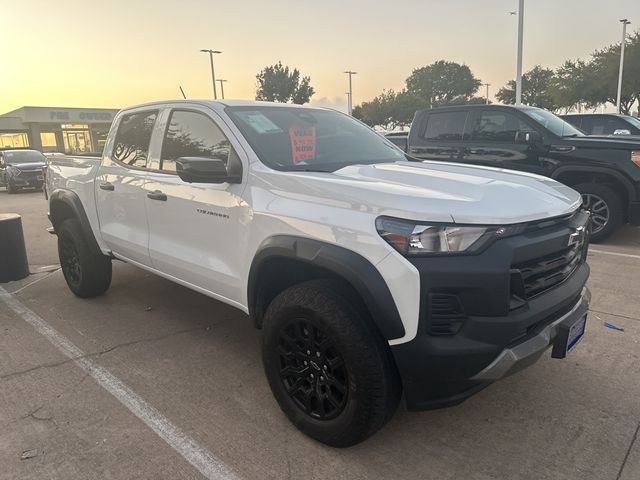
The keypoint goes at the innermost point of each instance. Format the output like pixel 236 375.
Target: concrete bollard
pixel 13 254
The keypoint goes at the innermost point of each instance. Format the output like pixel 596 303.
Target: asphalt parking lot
pixel 195 363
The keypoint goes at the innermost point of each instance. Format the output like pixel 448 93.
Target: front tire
pixel 87 273
pixel 11 188
pixel 328 367
pixel 606 209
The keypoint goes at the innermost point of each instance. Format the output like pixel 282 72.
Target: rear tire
pixel 328 367
pixel 87 273
pixel 606 208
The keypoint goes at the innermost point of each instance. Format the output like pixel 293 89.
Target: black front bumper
pixel 474 308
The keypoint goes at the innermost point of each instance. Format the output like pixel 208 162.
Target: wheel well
pixel 276 274
pixel 60 211
pixel 576 178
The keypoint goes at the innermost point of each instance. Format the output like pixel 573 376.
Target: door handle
pixel 157 195
pixel 107 186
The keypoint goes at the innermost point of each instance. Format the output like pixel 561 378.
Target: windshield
pixel 289 138
pixel 633 121
pixel 24 156
pixel 553 123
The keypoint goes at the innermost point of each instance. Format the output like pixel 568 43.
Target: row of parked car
pixel 597 155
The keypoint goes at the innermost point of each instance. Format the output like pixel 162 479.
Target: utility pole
pixel 222 87
pixel 348 100
pixel 350 104
pixel 487 85
pixel 624 22
pixel 519 59
pixel 213 73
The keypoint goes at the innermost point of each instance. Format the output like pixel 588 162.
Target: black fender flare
pixel 62 201
pixel 363 276
pixel 598 170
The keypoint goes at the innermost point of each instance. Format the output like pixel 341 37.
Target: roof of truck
pixel 223 103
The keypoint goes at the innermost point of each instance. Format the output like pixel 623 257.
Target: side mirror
pixel 528 137
pixel 622 131
pixel 204 170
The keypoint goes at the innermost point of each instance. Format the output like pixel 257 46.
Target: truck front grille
pixel 543 273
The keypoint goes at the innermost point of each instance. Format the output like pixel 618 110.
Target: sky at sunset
pixel 117 53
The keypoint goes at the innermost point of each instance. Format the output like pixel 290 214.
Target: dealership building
pixel 53 129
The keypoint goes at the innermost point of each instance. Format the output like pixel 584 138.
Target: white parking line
pixel 615 254
pixel 203 460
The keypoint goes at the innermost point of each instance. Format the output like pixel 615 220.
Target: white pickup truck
pixel 371 273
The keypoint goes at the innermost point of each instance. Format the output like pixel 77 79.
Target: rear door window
pixel 131 145
pixel 492 126
pixel 445 126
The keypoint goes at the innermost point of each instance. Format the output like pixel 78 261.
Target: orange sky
pixel 117 53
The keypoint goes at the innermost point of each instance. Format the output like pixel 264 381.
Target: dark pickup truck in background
pixel 604 123
pixel 605 170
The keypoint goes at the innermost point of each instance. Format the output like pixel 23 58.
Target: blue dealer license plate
pixel 576 332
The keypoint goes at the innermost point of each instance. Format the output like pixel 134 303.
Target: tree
pixel 573 85
pixel 443 83
pixel 276 83
pixel 536 86
pixel 389 109
pixel 605 64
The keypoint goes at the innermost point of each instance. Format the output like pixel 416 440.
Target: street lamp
pixel 213 74
pixel 350 104
pixel 519 60
pixel 487 85
pixel 624 22
pixel 222 87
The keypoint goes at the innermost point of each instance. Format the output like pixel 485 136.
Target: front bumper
pixel 634 213
pixel 498 332
pixel 27 182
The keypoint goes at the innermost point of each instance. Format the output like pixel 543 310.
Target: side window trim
pixel 115 137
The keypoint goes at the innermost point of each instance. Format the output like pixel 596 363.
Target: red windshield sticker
pixel 303 143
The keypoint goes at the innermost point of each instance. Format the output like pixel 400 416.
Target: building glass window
pixel 48 142
pixel 14 140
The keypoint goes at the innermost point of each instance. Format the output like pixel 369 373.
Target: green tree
pixel 605 64
pixel 276 83
pixel 389 109
pixel 536 89
pixel 443 83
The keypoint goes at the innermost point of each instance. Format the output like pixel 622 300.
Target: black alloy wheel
pixel 312 370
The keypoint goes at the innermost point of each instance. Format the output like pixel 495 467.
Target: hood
pixel 27 166
pixel 443 192
pixel 623 142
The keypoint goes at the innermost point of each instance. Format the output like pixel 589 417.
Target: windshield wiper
pixel 570 136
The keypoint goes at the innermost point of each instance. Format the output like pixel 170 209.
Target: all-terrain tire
pixel 87 273
pixel 340 334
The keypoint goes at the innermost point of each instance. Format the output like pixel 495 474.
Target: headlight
pixel 15 171
pixel 635 157
pixel 411 238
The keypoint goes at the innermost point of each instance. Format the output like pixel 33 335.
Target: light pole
pixel 624 22
pixel 350 104
pixel 519 60
pixel 487 85
pixel 213 73
pixel 222 87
